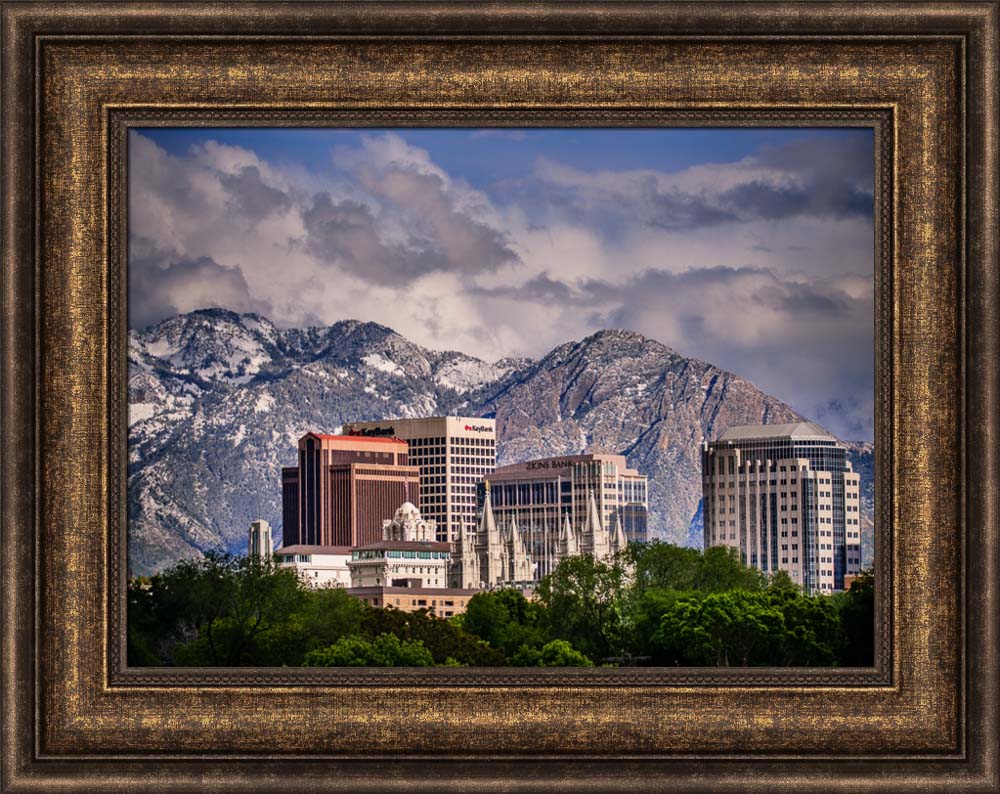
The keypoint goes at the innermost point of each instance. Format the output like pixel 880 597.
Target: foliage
pixel 671 605
pixel 663 566
pixel 557 653
pixel 506 620
pixel 212 611
pixel 386 650
pixel 442 638
pixel 585 602
pixel 857 621
pixel 735 627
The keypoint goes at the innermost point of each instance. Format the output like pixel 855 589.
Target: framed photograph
pixel 533 396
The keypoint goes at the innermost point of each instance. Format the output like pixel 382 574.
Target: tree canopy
pixel 656 602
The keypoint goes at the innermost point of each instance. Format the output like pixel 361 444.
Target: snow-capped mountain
pixel 217 401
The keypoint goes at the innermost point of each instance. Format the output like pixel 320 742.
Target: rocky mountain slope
pixel 218 400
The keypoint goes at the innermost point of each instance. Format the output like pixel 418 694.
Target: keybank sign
pixel 479 428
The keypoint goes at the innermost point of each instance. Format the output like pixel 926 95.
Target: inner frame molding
pixel 75 77
pixel 120 120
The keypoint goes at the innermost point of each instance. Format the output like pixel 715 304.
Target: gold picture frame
pixel 77 77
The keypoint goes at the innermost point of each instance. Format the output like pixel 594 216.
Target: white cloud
pixel 762 266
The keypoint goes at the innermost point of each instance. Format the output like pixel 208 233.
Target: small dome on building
pixel 407 511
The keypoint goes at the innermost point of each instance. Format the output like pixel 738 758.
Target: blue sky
pixel 483 157
pixel 752 249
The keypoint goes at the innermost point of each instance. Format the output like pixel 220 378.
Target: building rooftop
pixel 366 439
pixel 304 549
pixel 422 419
pixel 406 545
pixel 413 590
pixel 556 465
pixel 797 431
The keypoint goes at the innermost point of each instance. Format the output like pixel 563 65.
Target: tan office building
pixel 788 499
pixel 443 602
pixel 453 454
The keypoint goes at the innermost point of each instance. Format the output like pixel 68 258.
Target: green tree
pixel 586 605
pixel 648 610
pixel 720 570
pixel 556 653
pixel 228 602
pixel 811 630
pixel 730 628
pixel 441 637
pixel 506 620
pixel 325 615
pixel 662 566
pixel 386 650
pixel 857 622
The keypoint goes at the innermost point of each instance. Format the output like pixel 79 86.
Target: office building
pixel 259 543
pixel 343 487
pixel 788 499
pixel 599 495
pixel 452 453
pixel 317 566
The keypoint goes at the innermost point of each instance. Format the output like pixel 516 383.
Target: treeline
pixel 655 604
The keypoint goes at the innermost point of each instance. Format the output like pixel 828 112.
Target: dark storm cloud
pixel 814 178
pixel 540 289
pixel 758 200
pixel 829 197
pixel 345 232
pixel 439 237
pixel 424 201
pixel 851 159
pixel 760 287
pixel 674 210
pixel 162 285
pixel 850 416
pixel 250 197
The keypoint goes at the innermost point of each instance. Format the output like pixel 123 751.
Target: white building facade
pixel 259 543
pixel 317 566
pixel 408 555
pixel 788 499
pixel 496 554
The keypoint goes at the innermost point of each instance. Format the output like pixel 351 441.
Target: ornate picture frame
pixel 77 77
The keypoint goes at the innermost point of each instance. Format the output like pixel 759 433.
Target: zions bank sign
pixel 565 463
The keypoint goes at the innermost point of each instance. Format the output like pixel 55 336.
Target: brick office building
pixel 342 489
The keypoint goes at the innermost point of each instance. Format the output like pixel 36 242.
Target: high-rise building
pixel 788 499
pixel 259 543
pixel 590 490
pixel 343 488
pixel 453 454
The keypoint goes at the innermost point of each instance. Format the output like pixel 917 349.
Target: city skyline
pixel 750 249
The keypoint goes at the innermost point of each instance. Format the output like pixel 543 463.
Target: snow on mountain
pixel 217 401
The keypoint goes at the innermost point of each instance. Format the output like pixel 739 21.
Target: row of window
pixel 396 554
pixel 488 443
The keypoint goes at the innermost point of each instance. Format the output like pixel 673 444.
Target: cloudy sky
pixel 751 249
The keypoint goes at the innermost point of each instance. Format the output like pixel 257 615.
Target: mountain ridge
pixel 218 399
